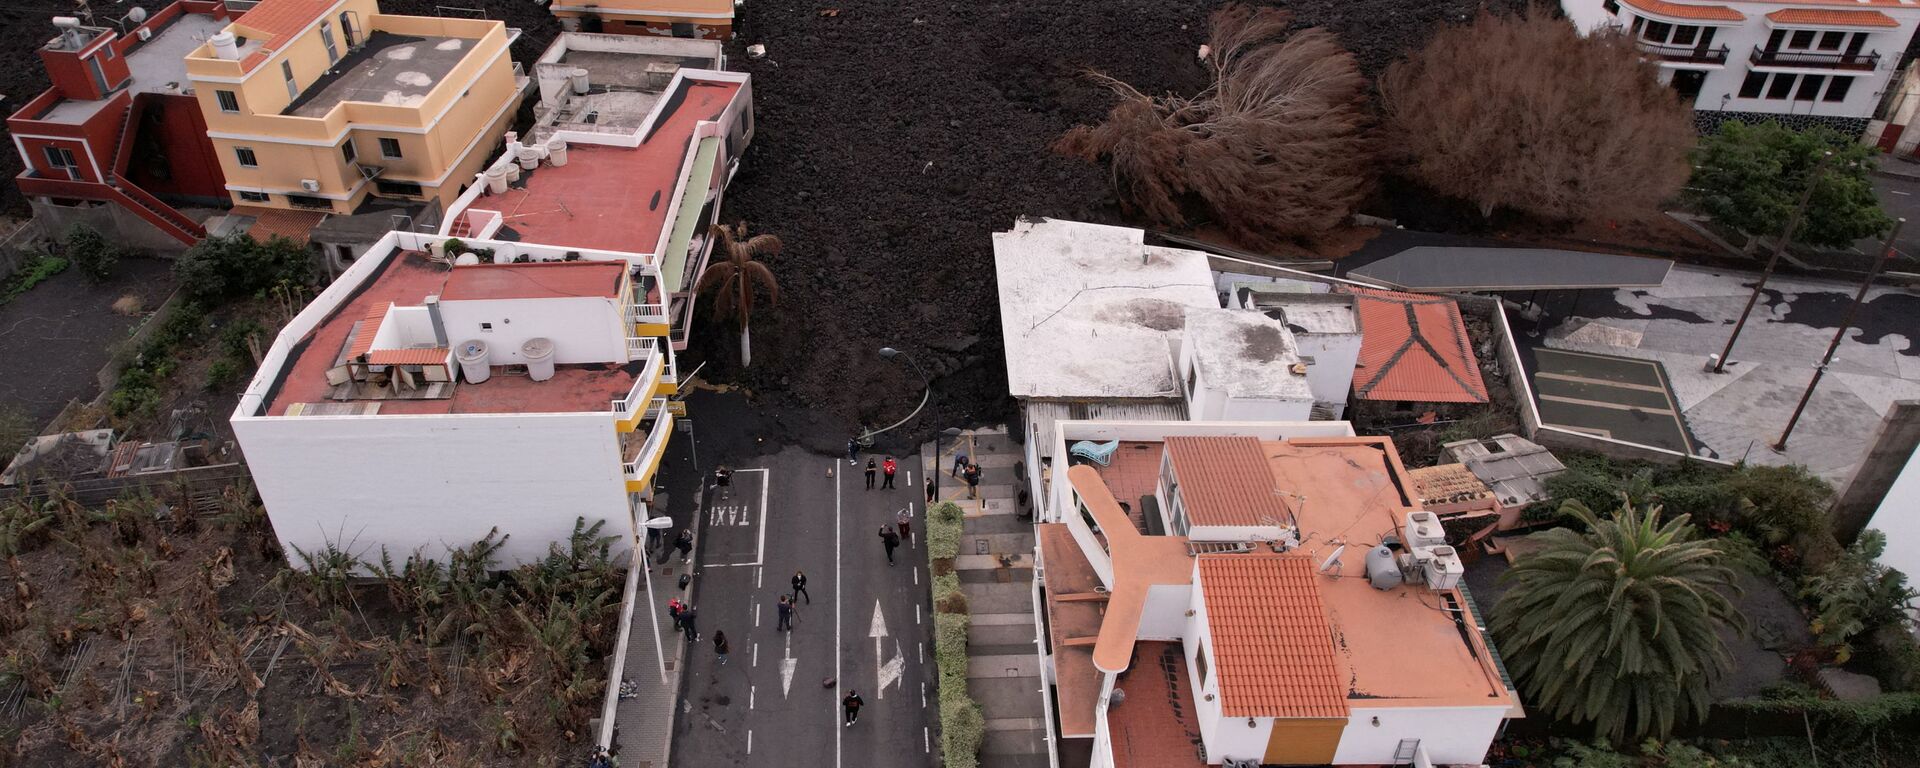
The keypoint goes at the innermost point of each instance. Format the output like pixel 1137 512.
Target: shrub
pixel 220 269
pixel 962 728
pixel 34 270
pixel 943 531
pixel 221 373
pixel 1842 719
pixel 1855 595
pixel 92 252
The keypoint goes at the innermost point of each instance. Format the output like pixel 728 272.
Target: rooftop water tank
pixel 474 363
pixel 529 157
pixel 579 80
pixel 1382 571
pixel 539 354
pixel 557 151
pixel 497 179
pixel 225 46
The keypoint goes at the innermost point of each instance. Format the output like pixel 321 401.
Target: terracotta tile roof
pixel 1226 481
pixel 1686 10
pixel 278 21
pixel 1272 642
pixel 538 280
pixel 1414 348
pixel 1447 484
pixel 369 327
pixel 271 222
pixel 1813 17
pixel 425 356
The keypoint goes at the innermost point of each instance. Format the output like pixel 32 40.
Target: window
pixel 1809 87
pixel 1781 88
pixel 293 89
pixel 255 197
pixel 228 102
pixel 1685 35
pixel 1612 6
pixel 1200 664
pixel 61 157
pixel 1656 31
pixel 246 156
pixel 486 326
pixel 390 148
pixel 398 188
pixel 1837 90
pixel 1802 39
pixel 343 253
pixel 308 201
pixel 326 36
pixel 1831 41
pixel 347 151
pixel 1750 89
pixel 1773 40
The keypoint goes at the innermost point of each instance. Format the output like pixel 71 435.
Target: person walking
pixel 853 450
pixel 720 646
pixel 786 614
pixel 800 588
pixel 889 539
pixel 674 609
pixel 687 615
pixel 904 521
pixel 887 468
pixel 960 464
pixel 850 706
pixel 871 468
pixel 684 544
pixel 973 481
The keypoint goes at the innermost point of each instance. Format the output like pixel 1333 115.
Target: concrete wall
pixel 115 221
pixel 1884 492
pixel 583 329
pixel 1721 89
pixel 1165 615
pixel 1451 735
pixel 1221 739
pixel 1330 375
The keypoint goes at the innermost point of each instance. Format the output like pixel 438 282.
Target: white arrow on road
pixel 889 672
pixel 786 667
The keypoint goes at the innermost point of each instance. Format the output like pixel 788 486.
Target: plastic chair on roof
pixel 1098 453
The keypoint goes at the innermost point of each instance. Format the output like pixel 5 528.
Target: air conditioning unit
pixel 1443 568
pixel 1423 529
pixel 310 185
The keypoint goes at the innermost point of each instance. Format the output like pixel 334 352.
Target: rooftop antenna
pixel 1332 564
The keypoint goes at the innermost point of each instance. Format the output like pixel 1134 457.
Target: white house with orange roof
pixel 426 398
pixel 1801 62
pixel 1345 639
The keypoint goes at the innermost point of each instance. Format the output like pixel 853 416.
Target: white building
pixel 1326 332
pixel 1238 365
pixel 1804 63
pixel 1272 631
pixel 417 404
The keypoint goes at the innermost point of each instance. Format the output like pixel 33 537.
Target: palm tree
pixel 1618 624
pixel 736 276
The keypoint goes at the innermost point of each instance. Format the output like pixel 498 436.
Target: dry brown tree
pixel 1524 113
pixel 1273 149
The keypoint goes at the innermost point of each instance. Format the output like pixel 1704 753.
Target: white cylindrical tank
pixel 496 180
pixel 474 365
pixel 579 80
pixel 557 151
pixel 225 46
pixel 465 260
pixel 529 157
pixel 1382 571
pixel 539 354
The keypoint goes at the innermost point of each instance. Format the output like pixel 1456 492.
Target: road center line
pixel 837 735
pixel 756 654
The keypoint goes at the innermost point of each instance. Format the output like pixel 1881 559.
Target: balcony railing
pixel 1685 54
pixel 640 466
pixel 628 408
pixel 1814 60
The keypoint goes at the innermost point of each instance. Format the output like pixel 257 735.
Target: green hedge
pixel 943 530
pixel 962 726
pixel 1855 718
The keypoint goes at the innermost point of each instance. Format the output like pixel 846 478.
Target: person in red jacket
pixel 887 468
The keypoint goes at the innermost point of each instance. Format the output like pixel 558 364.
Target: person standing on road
pixel 904 521
pixel 685 544
pixel 960 464
pixel 871 468
pixel 786 614
pixel 687 616
pixel 973 481
pixel 887 468
pixel 850 705
pixel 800 588
pixel 853 450
pixel 720 646
pixel 889 539
pixel 674 609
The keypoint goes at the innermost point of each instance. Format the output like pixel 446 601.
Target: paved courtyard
pixel 1738 414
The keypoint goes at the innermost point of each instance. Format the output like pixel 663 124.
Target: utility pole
pixel 1846 322
pixel 1793 224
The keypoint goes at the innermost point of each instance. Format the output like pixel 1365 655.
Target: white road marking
pixel 749 742
pixel 891 672
pixel 923 660
pixel 1898 192
pixel 916 614
pixel 756 615
pixel 787 663
pixel 837 738
pixel 751 690
pixel 916 576
pixel 926 740
pixel 909 478
pixel 760 551
pixel 758 572
pixel 878 631
pixel 923 695
pixel 756 654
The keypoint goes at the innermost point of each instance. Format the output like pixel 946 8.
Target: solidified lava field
pixel 895 137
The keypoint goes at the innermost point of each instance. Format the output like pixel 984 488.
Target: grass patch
pixel 36 269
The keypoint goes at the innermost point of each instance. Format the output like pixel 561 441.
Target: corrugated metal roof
pixel 1272 641
pixel 1414 348
pixel 1226 481
pixel 1044 414
pixel 1513 466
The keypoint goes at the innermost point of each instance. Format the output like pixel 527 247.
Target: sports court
pixel 1617 397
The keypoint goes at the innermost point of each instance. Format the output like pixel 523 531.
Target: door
pixel 1687 83
pixel 346 27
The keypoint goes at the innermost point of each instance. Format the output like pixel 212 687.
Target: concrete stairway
pixel 996 573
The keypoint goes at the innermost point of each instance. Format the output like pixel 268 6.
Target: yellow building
pixel 316 104
pixel 673 18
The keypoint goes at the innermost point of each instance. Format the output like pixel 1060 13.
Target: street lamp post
pixel 933 478
pixel 1846 323
pixel 660 523
pixel 926 387
pixel 1780 247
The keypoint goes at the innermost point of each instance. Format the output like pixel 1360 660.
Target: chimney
pixel 439 326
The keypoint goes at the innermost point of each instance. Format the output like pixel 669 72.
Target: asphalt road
pixel 1899 198
pixel 868 627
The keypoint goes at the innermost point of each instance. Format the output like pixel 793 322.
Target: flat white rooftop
pixel 1088 311
pixel 1246 354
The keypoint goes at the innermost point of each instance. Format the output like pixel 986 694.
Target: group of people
pixel 969 471
pixel 887 468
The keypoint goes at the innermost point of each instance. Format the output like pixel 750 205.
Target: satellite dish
pixel 1332 563
pixel 137 14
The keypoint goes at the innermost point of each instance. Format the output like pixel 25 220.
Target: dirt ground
pixel 56 336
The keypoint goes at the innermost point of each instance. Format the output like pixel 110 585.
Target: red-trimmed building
pixel 118 141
